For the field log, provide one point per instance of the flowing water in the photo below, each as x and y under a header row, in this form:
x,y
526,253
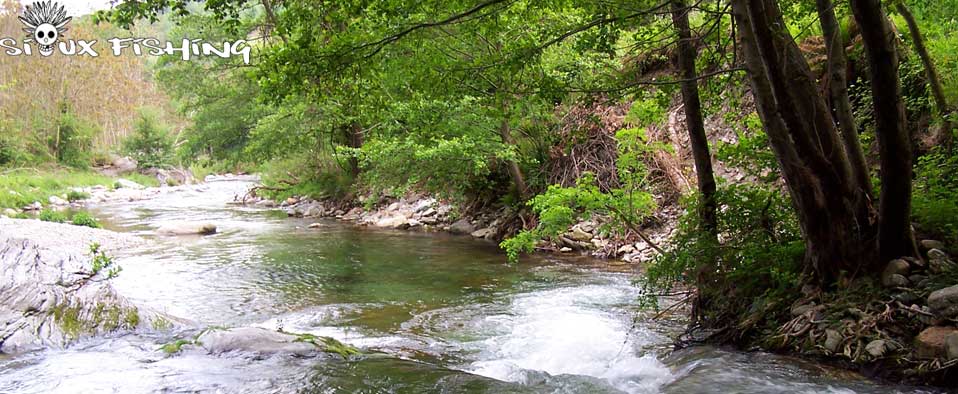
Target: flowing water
x,y
443,313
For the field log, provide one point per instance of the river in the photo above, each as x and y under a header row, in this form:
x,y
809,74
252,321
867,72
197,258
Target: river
x,y
444,313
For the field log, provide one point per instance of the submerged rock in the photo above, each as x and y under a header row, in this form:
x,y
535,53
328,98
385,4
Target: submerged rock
x,y
253,339
187,229
462,226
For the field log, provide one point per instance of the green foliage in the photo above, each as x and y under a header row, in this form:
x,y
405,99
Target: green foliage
x,y
72,140
85,219
751,153
102,261
760,252
49,215
935,195
22,187
150,144
74,195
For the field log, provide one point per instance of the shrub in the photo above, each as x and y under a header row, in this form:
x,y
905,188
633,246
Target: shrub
x,y
935,206
150,144
74,195
85,219
49,215
72,140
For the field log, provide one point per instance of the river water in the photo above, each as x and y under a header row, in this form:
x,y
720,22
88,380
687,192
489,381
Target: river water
x,y
444,313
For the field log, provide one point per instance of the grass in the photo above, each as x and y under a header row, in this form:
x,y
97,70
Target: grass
x,y
22,187
145,180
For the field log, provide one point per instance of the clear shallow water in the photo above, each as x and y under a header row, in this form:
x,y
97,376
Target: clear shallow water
x,y
445,312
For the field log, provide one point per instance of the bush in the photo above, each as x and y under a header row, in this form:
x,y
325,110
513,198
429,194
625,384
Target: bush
x,y
150,144
74,195
85,219
49,215
935,197
72,140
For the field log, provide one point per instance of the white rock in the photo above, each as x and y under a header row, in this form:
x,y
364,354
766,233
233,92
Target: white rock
x,y
187,229
128,184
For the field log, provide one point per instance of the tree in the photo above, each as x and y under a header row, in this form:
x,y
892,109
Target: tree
x,y
894,226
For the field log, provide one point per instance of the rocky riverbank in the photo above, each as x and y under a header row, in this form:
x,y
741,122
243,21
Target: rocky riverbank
x,y
425,213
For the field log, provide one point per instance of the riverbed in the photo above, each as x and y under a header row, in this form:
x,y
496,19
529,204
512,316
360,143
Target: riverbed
x,y
441,313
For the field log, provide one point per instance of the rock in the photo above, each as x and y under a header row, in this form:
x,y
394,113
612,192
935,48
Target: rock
x,y
291,201
906,297
801,309
462,226
625,249
123,165
917,278
876,348
894,280
313,210
10,212
487,232
414,223
430,220
833,340
579,235
929,244
46,297
427,213
36,206
944,302
587,226
393,207
254,339
128,184
930,343
939,262
951,346
187,229
565,249
315,225
55,200
894,272
392,221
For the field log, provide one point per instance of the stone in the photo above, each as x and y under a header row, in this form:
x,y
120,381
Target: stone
x,y
579,235
587,226
291,201
906,297
55,200
313,210
392,221
565,249
462,226
428,212
951,346
895,267
944,302
894,280
939,262
128,184
929,244
833,340
315,225
429,220
801,309
485,233
36,206
876,348
187,229
930,343
413,223
10,212
625,249
255,340
393,207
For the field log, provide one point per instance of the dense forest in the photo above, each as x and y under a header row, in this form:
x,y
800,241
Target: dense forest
x,y
798,158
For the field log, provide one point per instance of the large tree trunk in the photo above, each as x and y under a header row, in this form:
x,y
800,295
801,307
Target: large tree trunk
x,y
806,143
837,83
354,139
894,226
693,116
937,91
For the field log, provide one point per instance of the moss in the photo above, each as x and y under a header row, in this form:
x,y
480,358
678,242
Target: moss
x,y
329,345
131,318
68,319
175,346
161,324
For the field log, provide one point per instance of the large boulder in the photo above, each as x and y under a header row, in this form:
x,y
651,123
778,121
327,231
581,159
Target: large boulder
x,y
123,165
123,183
944,302
462,226
932,342
187,229
253,339
48,294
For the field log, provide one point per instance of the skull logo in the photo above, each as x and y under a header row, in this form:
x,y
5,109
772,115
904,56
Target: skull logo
x,y
45,21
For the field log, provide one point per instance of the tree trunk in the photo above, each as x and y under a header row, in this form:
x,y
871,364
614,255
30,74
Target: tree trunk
x,y
937,91
354,139
693,116
515,172
894,226
837,83
806,143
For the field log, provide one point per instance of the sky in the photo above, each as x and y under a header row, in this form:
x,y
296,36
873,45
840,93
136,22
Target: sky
x,y
79,7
